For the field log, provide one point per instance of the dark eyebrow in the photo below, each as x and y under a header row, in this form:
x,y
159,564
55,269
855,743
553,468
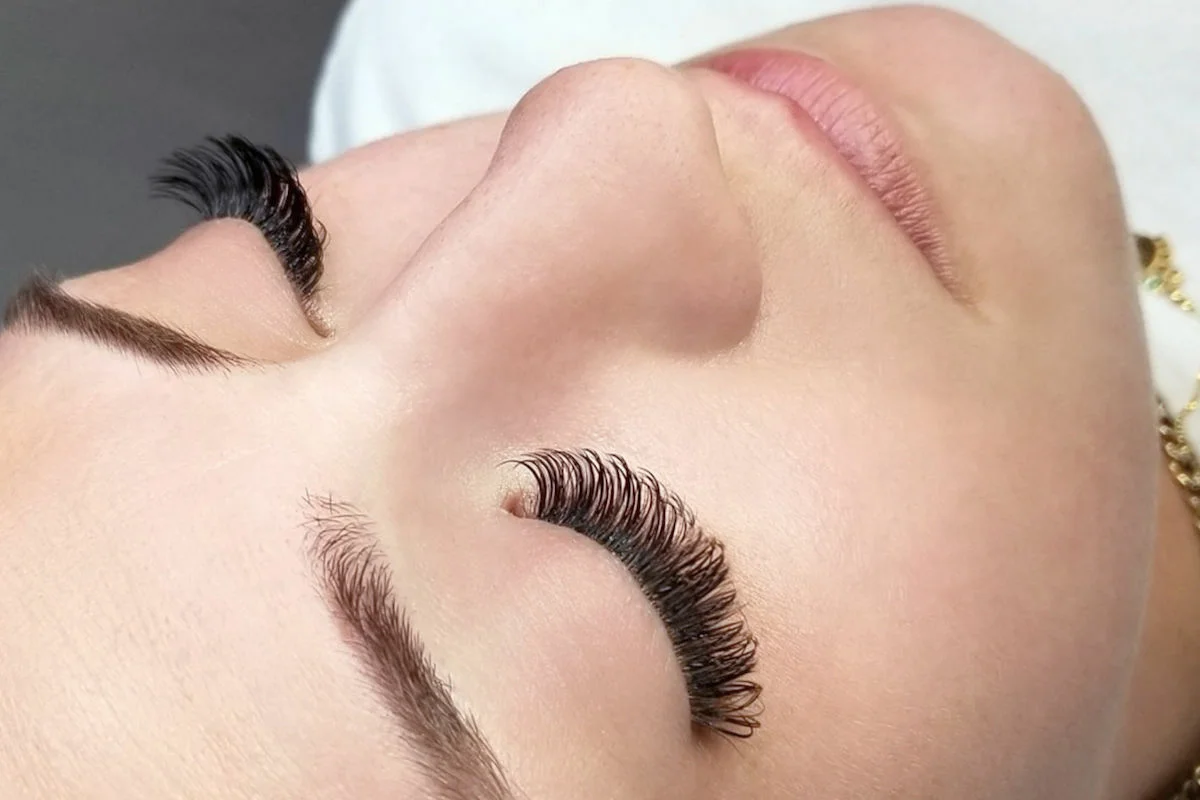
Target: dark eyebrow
x,y
41,305
354,577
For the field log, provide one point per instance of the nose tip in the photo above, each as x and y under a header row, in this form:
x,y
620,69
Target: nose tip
x,y
626,151
648,114
606,210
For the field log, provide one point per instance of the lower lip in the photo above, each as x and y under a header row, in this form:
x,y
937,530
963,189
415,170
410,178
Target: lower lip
x,y
818,94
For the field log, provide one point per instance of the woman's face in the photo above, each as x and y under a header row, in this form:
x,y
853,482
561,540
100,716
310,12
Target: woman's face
x,y
909,397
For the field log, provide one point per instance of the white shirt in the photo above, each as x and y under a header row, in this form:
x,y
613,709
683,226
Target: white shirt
x,y
395,65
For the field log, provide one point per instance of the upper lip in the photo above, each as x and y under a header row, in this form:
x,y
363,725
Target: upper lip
x,y
858,130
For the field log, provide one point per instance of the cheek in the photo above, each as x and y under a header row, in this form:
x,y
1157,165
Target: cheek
x,y
957,611
942,582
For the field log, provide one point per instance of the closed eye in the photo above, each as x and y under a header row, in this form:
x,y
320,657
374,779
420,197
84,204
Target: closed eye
x,y
232,178
681,570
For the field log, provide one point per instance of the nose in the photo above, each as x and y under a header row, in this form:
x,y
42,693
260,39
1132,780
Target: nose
x,y
605,219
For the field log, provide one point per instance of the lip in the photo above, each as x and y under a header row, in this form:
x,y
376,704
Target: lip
x,y
845,117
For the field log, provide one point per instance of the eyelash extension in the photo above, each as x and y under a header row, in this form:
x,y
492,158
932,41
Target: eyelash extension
x,y
232,178
682,571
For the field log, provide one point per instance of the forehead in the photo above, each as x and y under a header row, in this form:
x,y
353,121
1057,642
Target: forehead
x,y
163,628
161,654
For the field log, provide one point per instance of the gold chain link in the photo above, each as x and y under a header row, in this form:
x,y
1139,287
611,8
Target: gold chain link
x,y
1159,274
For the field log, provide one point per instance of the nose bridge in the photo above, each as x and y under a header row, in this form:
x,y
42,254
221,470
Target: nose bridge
x,y
605,214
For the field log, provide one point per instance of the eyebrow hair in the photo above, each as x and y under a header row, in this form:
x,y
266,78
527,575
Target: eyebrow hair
x,y
41,305
356,581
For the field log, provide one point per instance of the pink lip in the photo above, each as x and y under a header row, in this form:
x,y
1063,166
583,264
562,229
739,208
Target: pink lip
x,y
818,93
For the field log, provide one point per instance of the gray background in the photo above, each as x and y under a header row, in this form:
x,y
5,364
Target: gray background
x,y
94,92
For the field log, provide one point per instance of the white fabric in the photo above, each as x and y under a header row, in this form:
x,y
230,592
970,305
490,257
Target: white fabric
x,y
396,65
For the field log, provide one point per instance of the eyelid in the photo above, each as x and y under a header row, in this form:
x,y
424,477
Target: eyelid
x,y
43,305
233,178
683,572
355,580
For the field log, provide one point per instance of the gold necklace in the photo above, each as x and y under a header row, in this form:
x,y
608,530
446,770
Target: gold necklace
x,y
1159,274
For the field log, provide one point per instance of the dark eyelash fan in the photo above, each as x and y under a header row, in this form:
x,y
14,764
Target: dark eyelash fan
x,y
682,571
232,178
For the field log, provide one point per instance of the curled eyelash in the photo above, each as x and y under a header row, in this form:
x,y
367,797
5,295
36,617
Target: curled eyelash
x,y
233,178
682,571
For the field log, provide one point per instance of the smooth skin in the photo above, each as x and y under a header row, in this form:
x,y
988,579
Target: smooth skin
x,y
939,510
